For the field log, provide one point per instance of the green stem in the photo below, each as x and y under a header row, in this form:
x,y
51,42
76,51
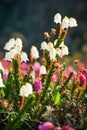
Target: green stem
x,y
17,121
47,83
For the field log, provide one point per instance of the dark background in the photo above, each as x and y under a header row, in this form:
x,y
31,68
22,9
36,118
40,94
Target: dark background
x,y
29,19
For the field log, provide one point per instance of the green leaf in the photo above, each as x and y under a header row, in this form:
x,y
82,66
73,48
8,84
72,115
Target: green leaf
x,y
56,96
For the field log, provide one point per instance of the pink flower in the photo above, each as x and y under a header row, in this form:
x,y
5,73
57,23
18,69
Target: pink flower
x,y
36,66
68,71
37,85
66,127
5,74
47,126
54,78
84,72
6,64
82,79
25,66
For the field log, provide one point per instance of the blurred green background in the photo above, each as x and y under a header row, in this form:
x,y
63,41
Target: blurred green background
x,y
29,19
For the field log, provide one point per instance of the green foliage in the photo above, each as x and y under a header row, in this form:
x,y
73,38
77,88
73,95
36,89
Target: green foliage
x,y
56,97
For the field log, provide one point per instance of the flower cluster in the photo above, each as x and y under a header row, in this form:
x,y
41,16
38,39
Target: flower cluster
x,y
44,92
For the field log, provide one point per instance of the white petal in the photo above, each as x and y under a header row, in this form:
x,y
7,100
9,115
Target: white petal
x,y
18,44
10,44
57,18
42,69
26,89
72,22
49,46
34,52
65,50
62,44
44,45
10,55
52,54
65,22
24,57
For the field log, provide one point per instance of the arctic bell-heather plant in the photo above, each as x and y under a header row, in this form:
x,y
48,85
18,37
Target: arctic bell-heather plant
x,y
43,92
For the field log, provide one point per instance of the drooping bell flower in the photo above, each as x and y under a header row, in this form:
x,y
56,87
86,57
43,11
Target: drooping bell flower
x,y
47,126
82,79
54,78
43,45
34,52
24,57
25,90
57,18
72,22
37,85
84,72
42,69
36,67
52,54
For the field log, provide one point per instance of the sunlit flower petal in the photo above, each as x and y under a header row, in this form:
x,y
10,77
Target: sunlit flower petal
x,y
42,69
57,18
72,22
49,46
44,45
10,44
26,89
62,51
52,54
18,44
34,52
10,55
65,22
24,57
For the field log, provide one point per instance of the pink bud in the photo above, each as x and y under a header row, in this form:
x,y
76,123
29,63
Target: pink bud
x,y
25,66
37,85
54,78
5,74
82,79
36,66
66,127
47,126
84,72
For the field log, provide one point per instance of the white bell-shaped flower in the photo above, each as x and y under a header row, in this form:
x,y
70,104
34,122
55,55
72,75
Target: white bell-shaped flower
x,y
72,22
34,52
10,55
57,18
62,51
10,44
65,22
52,54
24,57
42,69
26,89
65,50
49,46
18,44
44,45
